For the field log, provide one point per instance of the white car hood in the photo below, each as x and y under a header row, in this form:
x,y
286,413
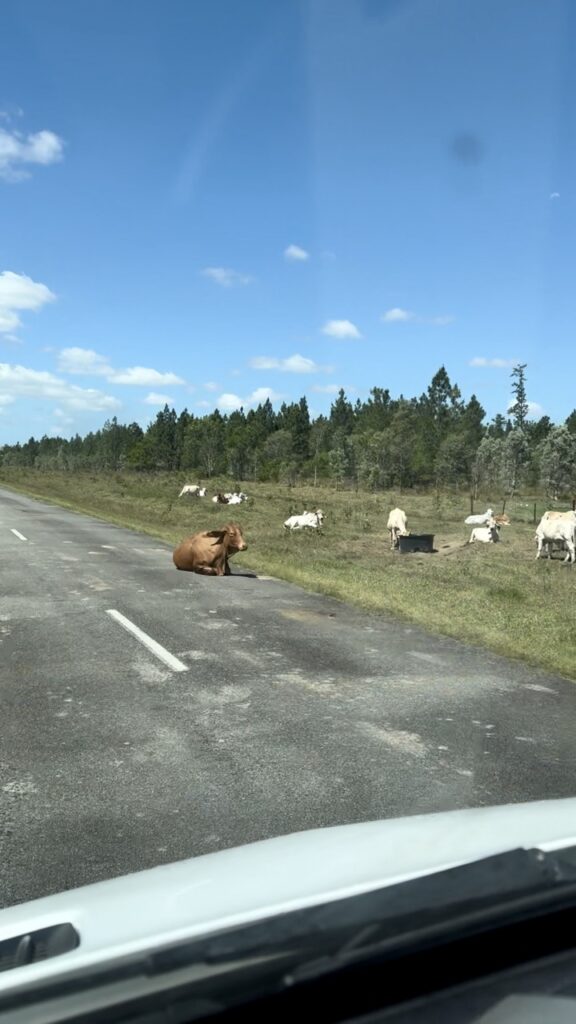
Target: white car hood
x,y
195,897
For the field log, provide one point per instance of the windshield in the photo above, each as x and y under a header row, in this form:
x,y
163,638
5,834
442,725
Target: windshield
x,y
312,260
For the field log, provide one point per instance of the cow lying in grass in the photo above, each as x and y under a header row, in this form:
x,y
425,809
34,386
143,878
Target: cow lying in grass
x,y
308,520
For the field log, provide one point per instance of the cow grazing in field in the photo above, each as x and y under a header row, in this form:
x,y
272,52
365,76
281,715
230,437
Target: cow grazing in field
x,y
397,525
194,490
485,534
502,519
308,520
479,520
208,553
560,528
236,499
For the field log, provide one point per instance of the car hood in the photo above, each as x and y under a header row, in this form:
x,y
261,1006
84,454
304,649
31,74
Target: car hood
x,y
196,897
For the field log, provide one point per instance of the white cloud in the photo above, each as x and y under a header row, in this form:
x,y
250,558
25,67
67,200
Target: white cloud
x,y
87,362
210,385
228,402
397,315
22,382
203,404
155,399
294,254
19,292
226,277
143,376
83,361
341,329
6,399
554,195
293,364
534,408
499,363
261,395
18,150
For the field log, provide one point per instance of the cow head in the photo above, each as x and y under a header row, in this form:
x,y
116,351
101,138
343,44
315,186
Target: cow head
x,y
320,516
230,536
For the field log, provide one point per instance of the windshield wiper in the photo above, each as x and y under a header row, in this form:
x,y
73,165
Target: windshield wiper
x,y
424,933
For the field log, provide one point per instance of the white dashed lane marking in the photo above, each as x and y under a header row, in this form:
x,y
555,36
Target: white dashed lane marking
x,y
152,645
18,534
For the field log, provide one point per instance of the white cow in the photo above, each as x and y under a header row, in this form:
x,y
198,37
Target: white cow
x,y
234,499
569,516
485,534
557,527
194,490
308,520
480,520
397,525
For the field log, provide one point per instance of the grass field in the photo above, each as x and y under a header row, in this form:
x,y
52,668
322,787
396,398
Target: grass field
x,y
493,595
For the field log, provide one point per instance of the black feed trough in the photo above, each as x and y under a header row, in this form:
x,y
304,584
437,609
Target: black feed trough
x,y
417,542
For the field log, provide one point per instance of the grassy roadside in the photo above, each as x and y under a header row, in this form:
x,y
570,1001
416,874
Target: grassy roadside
x,y
494,595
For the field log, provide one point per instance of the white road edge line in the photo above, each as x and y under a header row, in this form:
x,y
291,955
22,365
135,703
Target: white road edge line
x,y
18,534
169,659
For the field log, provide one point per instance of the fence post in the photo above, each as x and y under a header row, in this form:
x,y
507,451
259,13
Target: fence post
x,y
534,519
471,503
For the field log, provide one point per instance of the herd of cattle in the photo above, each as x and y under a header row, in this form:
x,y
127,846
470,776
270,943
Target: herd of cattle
x,y
554,529
208,553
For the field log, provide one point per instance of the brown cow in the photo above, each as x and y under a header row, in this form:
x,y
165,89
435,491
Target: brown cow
x,y
208,553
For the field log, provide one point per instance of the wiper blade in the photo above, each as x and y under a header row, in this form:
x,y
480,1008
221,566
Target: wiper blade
x,y
411,923
466,900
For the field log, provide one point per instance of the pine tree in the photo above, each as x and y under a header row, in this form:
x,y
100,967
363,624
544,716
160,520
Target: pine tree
x,y
519,408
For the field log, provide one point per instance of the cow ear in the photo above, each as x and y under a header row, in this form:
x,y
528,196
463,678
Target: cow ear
x,y
216,533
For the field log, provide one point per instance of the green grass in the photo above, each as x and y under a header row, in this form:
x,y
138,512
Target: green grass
x,y
494,595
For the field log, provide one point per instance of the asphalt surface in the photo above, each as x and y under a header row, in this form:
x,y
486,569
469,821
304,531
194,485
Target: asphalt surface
x,y
283,710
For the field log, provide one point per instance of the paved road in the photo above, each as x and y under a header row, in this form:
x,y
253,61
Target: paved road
x,y
278,710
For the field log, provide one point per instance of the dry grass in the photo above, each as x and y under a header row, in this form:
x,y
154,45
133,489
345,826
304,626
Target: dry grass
x,y
494,595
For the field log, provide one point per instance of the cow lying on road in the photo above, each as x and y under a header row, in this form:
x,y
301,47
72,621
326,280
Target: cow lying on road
x,y
308,520
208,553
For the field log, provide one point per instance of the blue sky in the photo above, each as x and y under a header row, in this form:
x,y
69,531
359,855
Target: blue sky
x,y
211,202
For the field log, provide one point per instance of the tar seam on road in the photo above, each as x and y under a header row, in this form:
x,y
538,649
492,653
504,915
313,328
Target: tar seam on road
x,y
174,663
18,534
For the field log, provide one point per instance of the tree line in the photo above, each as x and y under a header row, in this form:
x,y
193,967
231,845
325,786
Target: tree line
x,y
436,440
